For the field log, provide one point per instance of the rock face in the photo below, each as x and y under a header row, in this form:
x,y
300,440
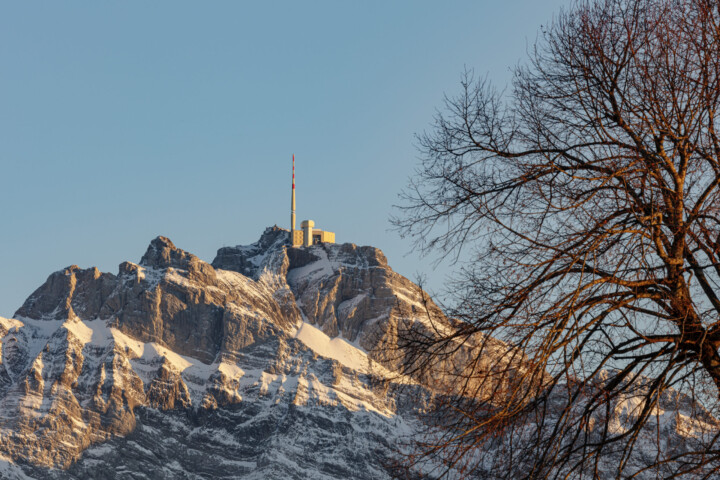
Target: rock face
x,y
253,366
271,362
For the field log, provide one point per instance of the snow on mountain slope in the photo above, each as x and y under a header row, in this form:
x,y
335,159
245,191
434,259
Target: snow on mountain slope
x,y
169,350
273,362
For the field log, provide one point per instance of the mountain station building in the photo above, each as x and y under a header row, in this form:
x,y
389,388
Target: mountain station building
x,y
311,236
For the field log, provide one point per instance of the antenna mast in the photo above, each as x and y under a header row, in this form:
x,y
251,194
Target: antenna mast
x,y
292,205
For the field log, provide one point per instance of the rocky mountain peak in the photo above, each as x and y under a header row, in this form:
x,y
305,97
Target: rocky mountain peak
x,y
67,292
273,236
249,259
162,253
242,337
271,362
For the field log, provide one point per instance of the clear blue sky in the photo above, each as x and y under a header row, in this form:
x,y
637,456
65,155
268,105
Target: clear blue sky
x,y
121,121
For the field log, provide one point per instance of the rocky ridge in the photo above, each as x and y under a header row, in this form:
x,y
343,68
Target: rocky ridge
x,y
270,362
200,368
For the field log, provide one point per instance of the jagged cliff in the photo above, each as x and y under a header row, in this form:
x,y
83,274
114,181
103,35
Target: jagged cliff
x,y
256,365
271,362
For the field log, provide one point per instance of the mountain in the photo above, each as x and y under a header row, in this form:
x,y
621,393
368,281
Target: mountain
x,y
270,362
254,366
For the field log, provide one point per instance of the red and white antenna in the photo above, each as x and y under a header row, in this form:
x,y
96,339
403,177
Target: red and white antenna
x,y
292,205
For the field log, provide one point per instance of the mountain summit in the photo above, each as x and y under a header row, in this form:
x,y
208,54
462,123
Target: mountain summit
x,y
270,362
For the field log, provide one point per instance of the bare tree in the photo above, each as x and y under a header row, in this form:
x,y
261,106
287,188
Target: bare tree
x,y
589,196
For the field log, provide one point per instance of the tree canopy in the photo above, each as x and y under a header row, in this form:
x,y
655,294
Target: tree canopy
x,y
588,195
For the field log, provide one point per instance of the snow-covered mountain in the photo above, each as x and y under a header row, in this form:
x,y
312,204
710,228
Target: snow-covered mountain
x,y
271,362
256,366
